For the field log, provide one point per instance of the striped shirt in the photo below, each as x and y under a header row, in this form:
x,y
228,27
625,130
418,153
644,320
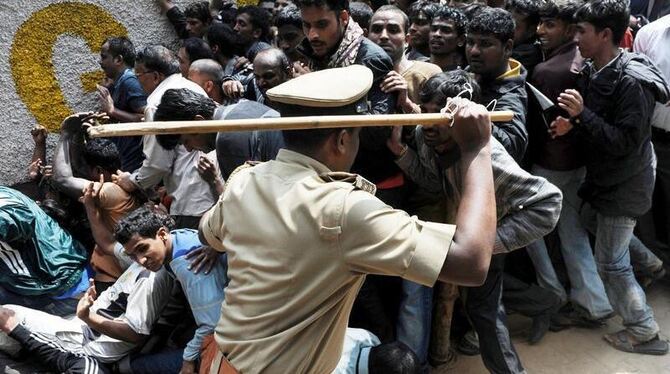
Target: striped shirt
x,y
527,206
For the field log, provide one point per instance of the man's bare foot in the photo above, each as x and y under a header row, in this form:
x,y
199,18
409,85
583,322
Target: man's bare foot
x,y
8,320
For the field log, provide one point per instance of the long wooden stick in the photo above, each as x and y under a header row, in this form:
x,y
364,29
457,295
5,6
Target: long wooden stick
x,y
286,123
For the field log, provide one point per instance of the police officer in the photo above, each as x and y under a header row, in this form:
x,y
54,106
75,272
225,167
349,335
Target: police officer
x,y
301,233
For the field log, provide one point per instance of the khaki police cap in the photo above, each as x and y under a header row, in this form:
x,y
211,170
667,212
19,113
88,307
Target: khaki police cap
x,y
328,88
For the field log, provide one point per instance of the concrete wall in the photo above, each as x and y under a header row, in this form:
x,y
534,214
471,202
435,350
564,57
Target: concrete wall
x,y
48,63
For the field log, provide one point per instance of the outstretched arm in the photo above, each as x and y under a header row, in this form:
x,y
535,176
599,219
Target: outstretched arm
x,y
68,156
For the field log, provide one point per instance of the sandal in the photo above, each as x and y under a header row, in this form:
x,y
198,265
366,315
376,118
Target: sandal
x,y
626,342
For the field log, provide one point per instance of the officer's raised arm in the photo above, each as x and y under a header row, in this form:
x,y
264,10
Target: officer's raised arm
x,y
468,259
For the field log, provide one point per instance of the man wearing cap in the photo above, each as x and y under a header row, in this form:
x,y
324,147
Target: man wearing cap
x,y
333,39
301,233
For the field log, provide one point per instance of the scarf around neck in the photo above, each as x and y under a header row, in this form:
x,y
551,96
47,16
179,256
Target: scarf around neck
x,y
346,52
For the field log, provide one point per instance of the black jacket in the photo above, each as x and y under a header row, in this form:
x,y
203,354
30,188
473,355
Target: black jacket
x,y
374,161
618,103
529,55
510,94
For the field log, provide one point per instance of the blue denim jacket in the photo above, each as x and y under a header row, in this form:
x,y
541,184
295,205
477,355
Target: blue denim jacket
x,y
205,292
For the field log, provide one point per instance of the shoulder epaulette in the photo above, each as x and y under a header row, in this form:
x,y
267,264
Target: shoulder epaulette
x,y
246,165
355,180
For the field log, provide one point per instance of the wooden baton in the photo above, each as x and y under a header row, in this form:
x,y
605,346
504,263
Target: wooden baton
x,y
286,123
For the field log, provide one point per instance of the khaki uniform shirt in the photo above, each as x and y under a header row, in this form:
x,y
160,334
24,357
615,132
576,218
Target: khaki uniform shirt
x,y
298,251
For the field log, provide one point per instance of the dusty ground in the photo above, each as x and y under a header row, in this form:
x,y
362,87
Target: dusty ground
x,y
577,351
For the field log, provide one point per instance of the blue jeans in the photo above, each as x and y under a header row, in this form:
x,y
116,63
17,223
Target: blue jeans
x,y
415,317
587,289
613,258
61,308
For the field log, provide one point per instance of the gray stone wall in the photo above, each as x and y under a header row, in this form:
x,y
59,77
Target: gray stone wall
x,y
49,63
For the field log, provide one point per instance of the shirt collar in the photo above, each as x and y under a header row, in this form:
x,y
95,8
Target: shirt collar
x,y
363,359
607,65
300,159
122,77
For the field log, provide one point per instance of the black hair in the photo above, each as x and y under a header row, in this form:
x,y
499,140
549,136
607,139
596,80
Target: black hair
x,y
529,8
58,212
425,7
181,104
71,217
335,5
470,10
159,59
361,13
289,16
493,21
259,18
225,38
563,10
449,84
227,14
197,49
454,15
102,153
199,11
396,10
311,140
308,140
121,46
606,14
393,358
144,221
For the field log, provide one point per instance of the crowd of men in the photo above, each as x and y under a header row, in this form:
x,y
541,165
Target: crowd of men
x,y
378,249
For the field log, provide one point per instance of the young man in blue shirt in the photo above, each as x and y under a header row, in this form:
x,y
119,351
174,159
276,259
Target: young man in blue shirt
x,y
147,238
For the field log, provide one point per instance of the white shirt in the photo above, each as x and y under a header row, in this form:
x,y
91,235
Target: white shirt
x,y
136,298
356,351
653,40
192,195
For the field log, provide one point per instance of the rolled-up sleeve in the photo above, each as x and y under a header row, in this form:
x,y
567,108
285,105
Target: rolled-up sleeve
x,y
378,239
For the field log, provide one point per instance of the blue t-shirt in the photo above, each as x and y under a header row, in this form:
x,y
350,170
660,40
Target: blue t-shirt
x,y
204,292
129,96
183,242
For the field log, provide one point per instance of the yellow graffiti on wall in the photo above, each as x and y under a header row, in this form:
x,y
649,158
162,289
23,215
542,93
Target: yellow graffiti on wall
x,y
32,53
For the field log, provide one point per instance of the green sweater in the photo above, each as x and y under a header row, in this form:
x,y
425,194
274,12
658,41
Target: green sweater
x,y
37,256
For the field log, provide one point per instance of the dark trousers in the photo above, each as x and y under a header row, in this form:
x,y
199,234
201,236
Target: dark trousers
x,y
653,228
48,350
485,310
